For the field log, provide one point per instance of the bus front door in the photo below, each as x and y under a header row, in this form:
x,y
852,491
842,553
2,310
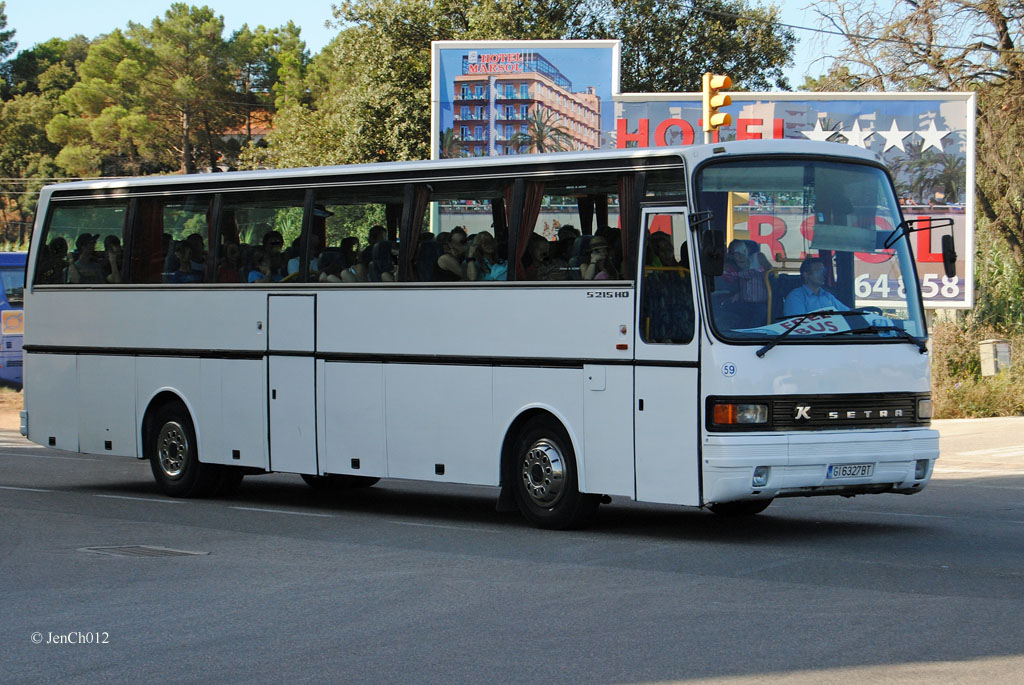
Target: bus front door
x,y
666,416
291,376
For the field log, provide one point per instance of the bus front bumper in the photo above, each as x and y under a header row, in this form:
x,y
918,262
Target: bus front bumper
x,y
769,465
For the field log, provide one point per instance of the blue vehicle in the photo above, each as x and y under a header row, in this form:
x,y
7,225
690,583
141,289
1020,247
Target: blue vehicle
x,y
12,317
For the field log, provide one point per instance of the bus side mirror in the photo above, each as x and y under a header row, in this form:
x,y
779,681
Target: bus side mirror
x,y
712,253
948,256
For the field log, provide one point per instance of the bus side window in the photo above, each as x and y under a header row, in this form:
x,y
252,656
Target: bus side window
x,y
75,236
346,226
562,219
260,226
666,293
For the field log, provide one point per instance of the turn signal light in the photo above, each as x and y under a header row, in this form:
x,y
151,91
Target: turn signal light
x,y
729,414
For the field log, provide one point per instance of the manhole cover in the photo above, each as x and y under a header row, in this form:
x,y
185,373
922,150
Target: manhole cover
x,y
141,551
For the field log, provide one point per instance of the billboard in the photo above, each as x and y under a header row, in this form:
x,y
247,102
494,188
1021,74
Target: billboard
x,y
504,97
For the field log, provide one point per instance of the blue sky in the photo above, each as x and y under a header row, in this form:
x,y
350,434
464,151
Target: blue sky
x,y
36,21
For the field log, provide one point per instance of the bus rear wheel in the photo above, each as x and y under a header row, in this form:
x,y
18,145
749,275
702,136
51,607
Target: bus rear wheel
x,y
746,507
544,478
174,455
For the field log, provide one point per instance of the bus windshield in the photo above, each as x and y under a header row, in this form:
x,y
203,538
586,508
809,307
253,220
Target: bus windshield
x,y
14,284
808,253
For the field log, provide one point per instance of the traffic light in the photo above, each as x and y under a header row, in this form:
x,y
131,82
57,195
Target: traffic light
x,y
714,99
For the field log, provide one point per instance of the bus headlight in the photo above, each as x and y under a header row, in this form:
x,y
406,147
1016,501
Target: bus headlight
x,y
761,476
924,408
727,414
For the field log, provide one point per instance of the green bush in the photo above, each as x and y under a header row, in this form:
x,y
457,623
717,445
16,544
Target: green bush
x,y
958,388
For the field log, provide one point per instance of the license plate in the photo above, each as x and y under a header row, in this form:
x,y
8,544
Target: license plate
x,y
849,470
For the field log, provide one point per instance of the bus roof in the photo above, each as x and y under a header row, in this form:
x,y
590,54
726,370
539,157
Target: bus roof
x,y
13,259
320,175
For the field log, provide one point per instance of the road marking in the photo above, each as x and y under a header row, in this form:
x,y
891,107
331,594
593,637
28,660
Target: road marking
x,y
1013,451
20,444
11,487
987,472
46,456
934,516
143,499
436,525
283,511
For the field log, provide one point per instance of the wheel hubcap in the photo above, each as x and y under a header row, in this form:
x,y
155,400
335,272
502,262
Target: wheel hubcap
x,y
172,449
543,473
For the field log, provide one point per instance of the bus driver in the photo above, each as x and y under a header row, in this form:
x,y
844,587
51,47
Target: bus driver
x,y
811,296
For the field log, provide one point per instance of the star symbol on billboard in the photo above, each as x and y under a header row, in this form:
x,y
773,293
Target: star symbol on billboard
x,y
855,136
932,137
894,137
818,133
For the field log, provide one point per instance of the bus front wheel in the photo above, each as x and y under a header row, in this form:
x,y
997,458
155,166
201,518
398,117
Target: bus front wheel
x,y
174,456
545,480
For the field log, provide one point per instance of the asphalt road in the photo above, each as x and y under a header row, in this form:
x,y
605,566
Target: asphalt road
x,y
416,583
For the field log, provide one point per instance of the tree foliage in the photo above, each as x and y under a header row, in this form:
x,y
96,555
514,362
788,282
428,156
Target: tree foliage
x,y
948,45
667,45
370,88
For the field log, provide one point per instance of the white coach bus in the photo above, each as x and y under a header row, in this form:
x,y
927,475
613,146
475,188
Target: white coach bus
x,y
660,350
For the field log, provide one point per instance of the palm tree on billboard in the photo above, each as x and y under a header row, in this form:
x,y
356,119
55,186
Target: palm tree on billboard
x,y
543,134
451,144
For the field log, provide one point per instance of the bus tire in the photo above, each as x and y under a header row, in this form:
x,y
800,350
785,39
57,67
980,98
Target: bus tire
x,y
746,507
175,455
544,478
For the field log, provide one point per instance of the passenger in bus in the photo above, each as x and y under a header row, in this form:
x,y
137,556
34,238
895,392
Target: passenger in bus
x,y
747,301
660,251
349,251
600,264
360,271
561,252
331,266
273,245
262,271
113,256
229,270
183,265
811,296
483,263
382,267
449,265
537,260
428,250
376,234
197,248
295,255
53,262
86,268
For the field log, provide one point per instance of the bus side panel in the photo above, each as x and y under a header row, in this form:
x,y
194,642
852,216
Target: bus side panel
x,y
353,419
608,434
234,410
439,418
51,401
106,407
556,391
179,376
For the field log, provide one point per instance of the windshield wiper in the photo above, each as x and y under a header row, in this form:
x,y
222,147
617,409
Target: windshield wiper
x,y
900,333
800,318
